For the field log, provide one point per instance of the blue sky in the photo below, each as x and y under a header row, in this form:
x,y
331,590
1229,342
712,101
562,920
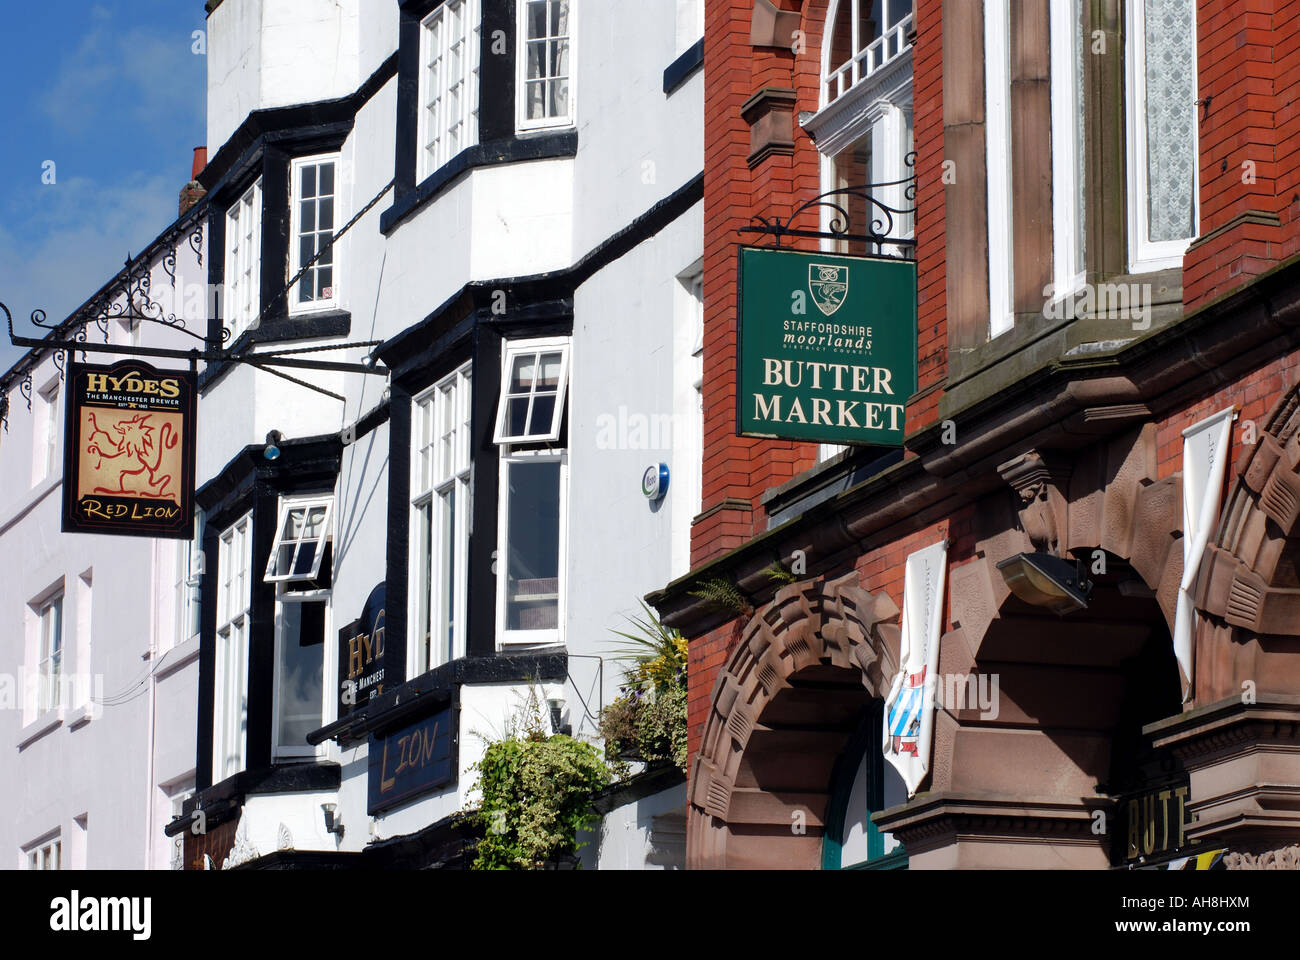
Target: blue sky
x,y
113,94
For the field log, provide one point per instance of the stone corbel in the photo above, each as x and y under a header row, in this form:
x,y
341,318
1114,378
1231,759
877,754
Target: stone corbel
x,y
770,115
772,27
1040,480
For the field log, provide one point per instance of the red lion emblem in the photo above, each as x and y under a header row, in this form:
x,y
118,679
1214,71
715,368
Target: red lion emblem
x,y
135,442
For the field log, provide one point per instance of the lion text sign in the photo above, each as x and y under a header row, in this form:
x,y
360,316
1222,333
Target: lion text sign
x,y
128,460
827,346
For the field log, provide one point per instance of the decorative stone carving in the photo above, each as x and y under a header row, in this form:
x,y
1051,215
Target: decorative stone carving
x,y
1283,858
1040,481
243,850
283,838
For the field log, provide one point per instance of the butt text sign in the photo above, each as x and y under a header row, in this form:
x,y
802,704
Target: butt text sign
x,y
128,465
827,346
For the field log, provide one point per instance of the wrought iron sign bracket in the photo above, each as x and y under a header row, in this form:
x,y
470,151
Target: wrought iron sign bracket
x,y
884,219
134,289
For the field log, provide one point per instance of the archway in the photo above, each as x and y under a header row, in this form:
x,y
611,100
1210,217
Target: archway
x,y
783,710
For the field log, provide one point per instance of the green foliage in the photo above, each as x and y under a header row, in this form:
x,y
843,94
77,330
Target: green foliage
x,y
536,797
536,793
659,653
722,594
647,721
780,574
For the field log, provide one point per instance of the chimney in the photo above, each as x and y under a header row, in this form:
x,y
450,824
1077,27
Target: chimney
x,y
193,191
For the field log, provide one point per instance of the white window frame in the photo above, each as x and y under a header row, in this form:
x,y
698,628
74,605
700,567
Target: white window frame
x,y
295,751
436,473
51,651
1068,264
997,125
1145,255
187,573
287,506
38,854
544,636
243,268
295,243
467,117
234,605
868,59
45,456
520,348
523,123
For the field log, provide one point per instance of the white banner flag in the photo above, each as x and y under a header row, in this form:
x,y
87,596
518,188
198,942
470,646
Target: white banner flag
x,y
1206,449
909,708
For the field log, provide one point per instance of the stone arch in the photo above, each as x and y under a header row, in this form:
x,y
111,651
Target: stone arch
x,y
834,629
1248,585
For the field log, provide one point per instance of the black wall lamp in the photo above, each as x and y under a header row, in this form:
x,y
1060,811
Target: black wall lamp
x,y
1045,580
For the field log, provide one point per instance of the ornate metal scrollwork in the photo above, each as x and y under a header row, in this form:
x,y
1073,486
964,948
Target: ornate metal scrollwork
x,y
196,241
60,359
25,388
169,266
4,412
884,218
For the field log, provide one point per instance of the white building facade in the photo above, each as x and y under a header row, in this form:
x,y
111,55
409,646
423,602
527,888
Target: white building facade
x,y
98,634
399,549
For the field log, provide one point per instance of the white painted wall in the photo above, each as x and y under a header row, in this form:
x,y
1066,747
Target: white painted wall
x,y
273,53
90,769
640,835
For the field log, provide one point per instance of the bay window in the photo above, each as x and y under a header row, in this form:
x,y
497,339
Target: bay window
x,y
313,217
449,74
533,492
1160,58
244,261
441,515
545,63
230,724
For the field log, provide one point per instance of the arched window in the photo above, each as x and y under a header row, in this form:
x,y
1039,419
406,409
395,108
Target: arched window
x,y
863,38
864,127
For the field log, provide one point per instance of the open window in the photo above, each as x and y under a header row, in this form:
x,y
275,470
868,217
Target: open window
x,y
535,376
533,500
302,539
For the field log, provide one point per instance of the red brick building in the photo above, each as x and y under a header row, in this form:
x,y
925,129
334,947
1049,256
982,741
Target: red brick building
x,y
1106,200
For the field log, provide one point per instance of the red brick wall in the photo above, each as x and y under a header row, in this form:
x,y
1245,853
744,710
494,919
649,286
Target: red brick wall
x,y
740,468
1248,55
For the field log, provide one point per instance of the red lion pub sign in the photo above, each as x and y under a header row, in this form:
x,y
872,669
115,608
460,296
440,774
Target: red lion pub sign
x,y
128,460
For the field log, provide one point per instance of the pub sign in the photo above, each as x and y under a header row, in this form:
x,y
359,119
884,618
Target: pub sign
x,y
410,761
361,655
128,456
827,346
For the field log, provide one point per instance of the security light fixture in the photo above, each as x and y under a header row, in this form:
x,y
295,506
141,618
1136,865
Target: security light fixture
x,y
1045,580
332,825
273,441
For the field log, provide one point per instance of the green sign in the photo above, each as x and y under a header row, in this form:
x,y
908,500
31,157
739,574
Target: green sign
x,y
827,346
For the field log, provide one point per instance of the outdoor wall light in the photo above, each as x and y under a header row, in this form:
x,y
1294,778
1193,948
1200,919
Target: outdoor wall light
x,y
331,825
1045,580
273,441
